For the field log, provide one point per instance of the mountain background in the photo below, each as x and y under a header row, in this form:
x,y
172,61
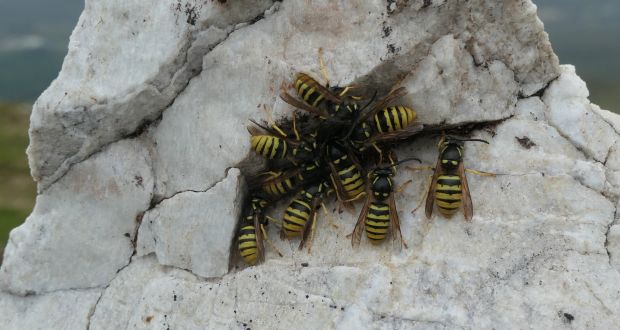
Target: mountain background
x,y
33,42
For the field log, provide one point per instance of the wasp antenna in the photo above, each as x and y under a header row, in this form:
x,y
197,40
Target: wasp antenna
x,y
323,68
407,160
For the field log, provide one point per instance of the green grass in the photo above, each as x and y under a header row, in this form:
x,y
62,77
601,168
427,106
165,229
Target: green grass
x,y
17,191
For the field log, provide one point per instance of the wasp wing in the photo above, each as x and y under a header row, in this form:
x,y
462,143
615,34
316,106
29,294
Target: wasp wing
x,y
356,234
310,224
341,193
258,234
468,208
311,82
430,195
394,94
286,97
395,221
396,135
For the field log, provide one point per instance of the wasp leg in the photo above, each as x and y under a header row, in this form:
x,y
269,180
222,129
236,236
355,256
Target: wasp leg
x,y
426,186
420,168
374,145
272,174
272,123
266,239
312,230
402,186
323,68
276,221
360,195
329,217
480,172
295,127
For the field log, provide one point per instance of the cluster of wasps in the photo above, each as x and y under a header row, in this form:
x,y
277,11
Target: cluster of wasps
x,y
343,147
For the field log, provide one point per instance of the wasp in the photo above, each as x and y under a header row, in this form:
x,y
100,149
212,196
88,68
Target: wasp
x,y
281,183
382,123
329,103
300,216
449,188
278,145
346,172
379,215
252,233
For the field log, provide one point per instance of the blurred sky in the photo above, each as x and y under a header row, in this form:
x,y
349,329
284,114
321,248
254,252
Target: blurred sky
x,y
34,36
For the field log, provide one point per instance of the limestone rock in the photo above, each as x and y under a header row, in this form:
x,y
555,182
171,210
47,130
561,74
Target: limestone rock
x,y
69,309
81,230
542,249
126,63
193,230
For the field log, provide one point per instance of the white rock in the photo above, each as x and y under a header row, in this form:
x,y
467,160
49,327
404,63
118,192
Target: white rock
x,y
193,230
57,310
473,97
81,230
570,111
126,63
120,300
542,248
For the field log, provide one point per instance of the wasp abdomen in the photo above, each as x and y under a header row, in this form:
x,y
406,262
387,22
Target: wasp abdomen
x,y
377,222
247,243
295,217
279,188
352,180
448,194
270,147
393,118
307,90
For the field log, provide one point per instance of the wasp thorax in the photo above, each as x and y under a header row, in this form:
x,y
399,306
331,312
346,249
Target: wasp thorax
x,y
361,133
451,156
334,152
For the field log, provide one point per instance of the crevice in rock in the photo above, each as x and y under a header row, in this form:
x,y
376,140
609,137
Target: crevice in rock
x,y
378,317
91,312
607,309
156,200
539,93
606,245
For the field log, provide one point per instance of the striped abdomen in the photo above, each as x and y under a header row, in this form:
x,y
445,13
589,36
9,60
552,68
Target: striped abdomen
x,y
448,194
350,177
307,89
377,222
280,186
248,248
393,118
296,216
270,147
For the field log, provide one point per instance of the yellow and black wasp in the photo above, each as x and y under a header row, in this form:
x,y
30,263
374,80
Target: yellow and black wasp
x,y
329,103
300,216
449,188
323,101
383,123
252,233
273,143
379,216
346,172
281,183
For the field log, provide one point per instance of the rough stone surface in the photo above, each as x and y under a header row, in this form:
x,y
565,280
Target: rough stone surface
x,y
81,230
127,61
543,248
190,230
69,309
